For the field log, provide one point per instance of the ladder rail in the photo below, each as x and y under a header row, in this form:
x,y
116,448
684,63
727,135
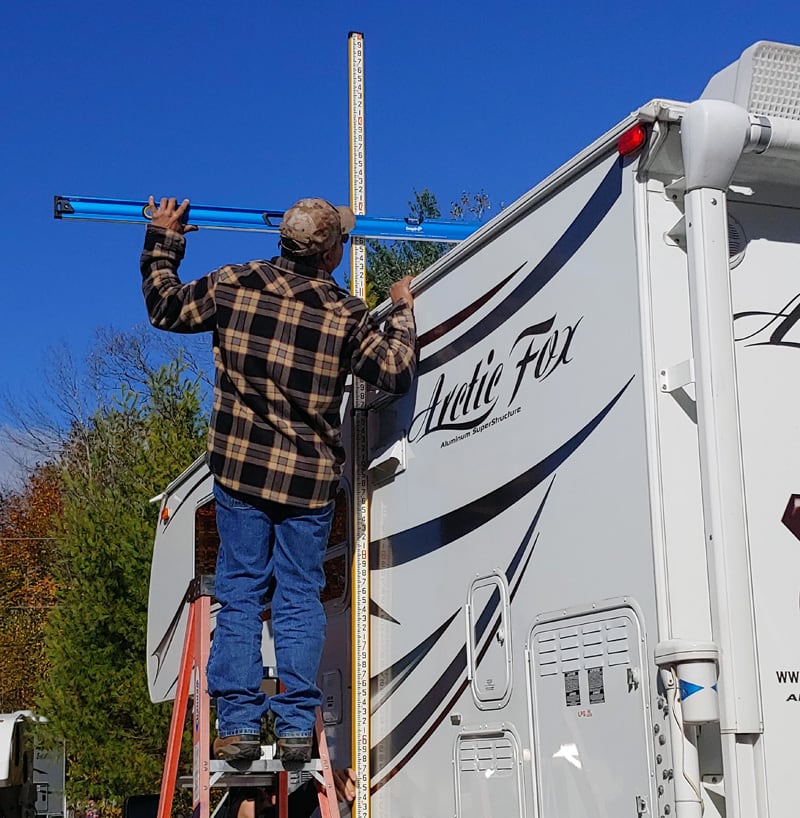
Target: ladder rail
x,y
178,720
201,729
328,802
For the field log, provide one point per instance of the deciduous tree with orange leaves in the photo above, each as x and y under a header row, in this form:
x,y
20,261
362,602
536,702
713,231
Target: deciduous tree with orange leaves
x,y
75,545
28,521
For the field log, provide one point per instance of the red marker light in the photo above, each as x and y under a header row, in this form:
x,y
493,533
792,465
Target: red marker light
x,y
632,140
165,514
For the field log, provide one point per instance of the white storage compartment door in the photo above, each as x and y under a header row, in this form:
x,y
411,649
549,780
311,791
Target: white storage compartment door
x,y
591,739
488,773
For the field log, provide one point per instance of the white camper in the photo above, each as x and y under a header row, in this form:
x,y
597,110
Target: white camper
x,y
31,775
584,519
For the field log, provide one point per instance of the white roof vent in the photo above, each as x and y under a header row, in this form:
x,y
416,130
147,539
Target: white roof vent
x,y
765,80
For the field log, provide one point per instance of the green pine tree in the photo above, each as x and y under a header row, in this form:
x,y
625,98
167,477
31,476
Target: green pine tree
x,y
389,262
95,695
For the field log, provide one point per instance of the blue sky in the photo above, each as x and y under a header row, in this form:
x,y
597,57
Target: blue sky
x,y
245,104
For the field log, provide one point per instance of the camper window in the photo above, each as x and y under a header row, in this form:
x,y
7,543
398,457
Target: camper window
x,y
206,539
337,559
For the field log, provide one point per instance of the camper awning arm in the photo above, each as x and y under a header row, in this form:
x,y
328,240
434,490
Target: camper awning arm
x,y
714,135
254,219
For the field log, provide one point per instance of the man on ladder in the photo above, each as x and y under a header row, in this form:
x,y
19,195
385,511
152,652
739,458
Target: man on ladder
x,y
285,337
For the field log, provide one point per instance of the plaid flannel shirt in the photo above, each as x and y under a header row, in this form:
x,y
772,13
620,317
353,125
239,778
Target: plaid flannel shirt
x,y
285,338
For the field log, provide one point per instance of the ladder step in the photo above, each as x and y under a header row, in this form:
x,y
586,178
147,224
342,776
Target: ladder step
x,y
239,779
266,765
260,773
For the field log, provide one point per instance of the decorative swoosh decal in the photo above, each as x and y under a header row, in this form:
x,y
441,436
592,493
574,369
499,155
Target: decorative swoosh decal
x,y
162,648
376,610
394,676
424,538
449,528
585,223
408,728
387,681
167,639
451,323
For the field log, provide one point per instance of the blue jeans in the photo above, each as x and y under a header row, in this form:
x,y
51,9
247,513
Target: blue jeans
x,y
259,541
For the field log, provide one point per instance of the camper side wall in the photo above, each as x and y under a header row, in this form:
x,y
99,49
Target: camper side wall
x,y
513,573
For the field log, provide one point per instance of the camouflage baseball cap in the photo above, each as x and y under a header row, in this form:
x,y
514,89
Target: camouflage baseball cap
x,y
313,226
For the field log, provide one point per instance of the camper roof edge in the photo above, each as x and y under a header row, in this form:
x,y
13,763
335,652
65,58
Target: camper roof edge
x,y
182,477
662,110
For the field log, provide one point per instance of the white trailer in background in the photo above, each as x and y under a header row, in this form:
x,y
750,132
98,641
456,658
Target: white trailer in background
x,y
31,774
585,517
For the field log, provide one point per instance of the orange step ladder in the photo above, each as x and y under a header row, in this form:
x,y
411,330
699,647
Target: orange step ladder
x,y
208,773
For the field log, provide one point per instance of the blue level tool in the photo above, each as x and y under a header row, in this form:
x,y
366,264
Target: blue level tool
x,y
267,221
